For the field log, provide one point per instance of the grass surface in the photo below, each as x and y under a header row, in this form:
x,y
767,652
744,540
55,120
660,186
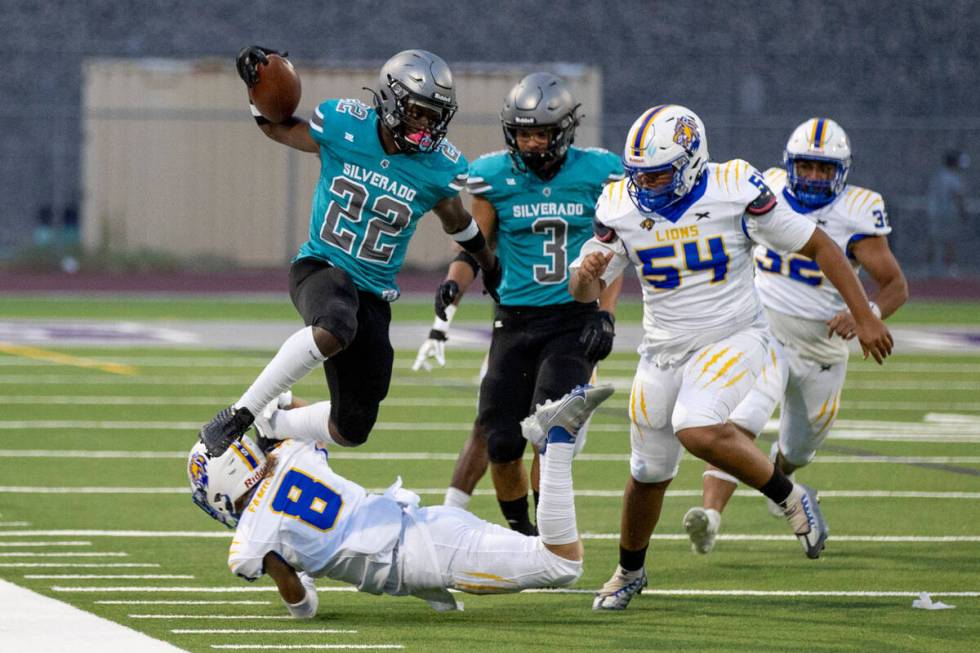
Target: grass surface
x,y
54,415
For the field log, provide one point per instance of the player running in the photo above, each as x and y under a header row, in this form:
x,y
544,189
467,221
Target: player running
x,y
535,202
381,169
297,520
688,226
807,315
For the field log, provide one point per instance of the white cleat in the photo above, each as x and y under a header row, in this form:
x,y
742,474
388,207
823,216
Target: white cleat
x,y
802,510
619,590
702,525
570,412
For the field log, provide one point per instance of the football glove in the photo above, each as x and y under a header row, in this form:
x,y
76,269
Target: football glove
x,y
597,336
445,295
435,345
491,279
248,60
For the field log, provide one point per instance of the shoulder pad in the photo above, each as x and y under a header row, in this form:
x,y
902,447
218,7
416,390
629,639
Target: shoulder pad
x,y
763,204
860,201
603,233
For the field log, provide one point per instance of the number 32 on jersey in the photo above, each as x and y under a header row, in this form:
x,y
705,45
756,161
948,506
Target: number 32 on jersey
x,y
664,266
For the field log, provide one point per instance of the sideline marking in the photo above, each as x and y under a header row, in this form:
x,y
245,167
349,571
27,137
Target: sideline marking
x,y
59,358
33,622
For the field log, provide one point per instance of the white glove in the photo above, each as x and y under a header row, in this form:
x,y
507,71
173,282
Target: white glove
x,y
435,345
305,609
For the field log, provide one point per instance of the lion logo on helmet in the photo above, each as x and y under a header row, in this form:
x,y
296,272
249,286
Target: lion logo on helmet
x,y
686,133
198,470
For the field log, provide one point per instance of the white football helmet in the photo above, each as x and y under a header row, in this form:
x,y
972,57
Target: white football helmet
x,y
818,139
665,137
217,483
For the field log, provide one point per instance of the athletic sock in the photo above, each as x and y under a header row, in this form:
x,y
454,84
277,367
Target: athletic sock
x,y
515,512
556,508
308,423
294,360
778,487
632,560
456,498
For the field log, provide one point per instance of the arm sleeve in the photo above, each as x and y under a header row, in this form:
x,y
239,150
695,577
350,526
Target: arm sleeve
x,y
779,230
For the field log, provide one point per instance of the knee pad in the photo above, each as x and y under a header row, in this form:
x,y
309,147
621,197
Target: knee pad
x,y
504,446
650,471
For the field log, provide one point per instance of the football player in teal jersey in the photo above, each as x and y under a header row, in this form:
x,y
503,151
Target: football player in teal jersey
x,y
381,169
535,201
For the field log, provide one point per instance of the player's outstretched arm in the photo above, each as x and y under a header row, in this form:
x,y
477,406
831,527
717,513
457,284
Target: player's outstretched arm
x,y
872,333
877,259
296,589
293,132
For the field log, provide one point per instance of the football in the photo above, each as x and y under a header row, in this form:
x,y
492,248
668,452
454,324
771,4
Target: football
x,y
277,93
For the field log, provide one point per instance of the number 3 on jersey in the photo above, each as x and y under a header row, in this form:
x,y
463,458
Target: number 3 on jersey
x,y
666,277
308,500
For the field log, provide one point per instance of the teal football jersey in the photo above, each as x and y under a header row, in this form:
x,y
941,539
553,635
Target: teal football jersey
x,y
367,203
541,225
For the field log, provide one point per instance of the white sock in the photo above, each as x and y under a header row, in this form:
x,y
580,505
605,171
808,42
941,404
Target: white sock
x,y
308,423
556,507
457,498
294,360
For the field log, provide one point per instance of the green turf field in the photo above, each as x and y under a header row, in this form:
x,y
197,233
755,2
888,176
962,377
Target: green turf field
x,y
81,496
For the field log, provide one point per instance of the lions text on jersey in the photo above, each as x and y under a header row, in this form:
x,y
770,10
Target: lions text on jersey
x,y
541,224
694,260
367,203
793,285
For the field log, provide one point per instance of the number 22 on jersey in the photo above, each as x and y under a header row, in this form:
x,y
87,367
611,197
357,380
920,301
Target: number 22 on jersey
x,y
304,498
663,266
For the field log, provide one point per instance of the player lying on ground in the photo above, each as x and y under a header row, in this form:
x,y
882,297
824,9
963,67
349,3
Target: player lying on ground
x,y
298,520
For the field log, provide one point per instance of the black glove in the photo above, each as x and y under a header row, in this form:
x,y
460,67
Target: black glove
x,y
597,336
248,60
445,295
491,279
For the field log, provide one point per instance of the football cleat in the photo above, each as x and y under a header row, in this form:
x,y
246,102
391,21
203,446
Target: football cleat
x,y
702,525
802,510
619,590
224,428
570,412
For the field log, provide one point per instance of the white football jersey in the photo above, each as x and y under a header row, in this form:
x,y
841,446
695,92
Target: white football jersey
x,y
318,522
793,284
694,262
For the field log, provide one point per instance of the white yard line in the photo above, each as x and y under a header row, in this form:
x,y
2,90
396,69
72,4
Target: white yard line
x,y
79,565
60,554
178,602
422,455
261,631
109,576
32,622
283,617
583,493
11,524
305,647
35,544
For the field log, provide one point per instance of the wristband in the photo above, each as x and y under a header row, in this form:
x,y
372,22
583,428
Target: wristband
x,y
259,118
443,325
875,309
471,238
305,609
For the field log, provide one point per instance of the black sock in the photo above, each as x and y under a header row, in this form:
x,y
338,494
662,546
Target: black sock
x,y
631,560
515,512
777,488
537,501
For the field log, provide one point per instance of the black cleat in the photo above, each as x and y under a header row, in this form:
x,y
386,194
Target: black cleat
x,y
224,428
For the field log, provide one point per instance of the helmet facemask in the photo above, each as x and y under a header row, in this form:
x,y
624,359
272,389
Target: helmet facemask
x,y
810,191
401,114
650,200
542,162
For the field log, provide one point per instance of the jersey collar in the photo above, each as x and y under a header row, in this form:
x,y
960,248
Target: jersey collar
x,y
675,211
